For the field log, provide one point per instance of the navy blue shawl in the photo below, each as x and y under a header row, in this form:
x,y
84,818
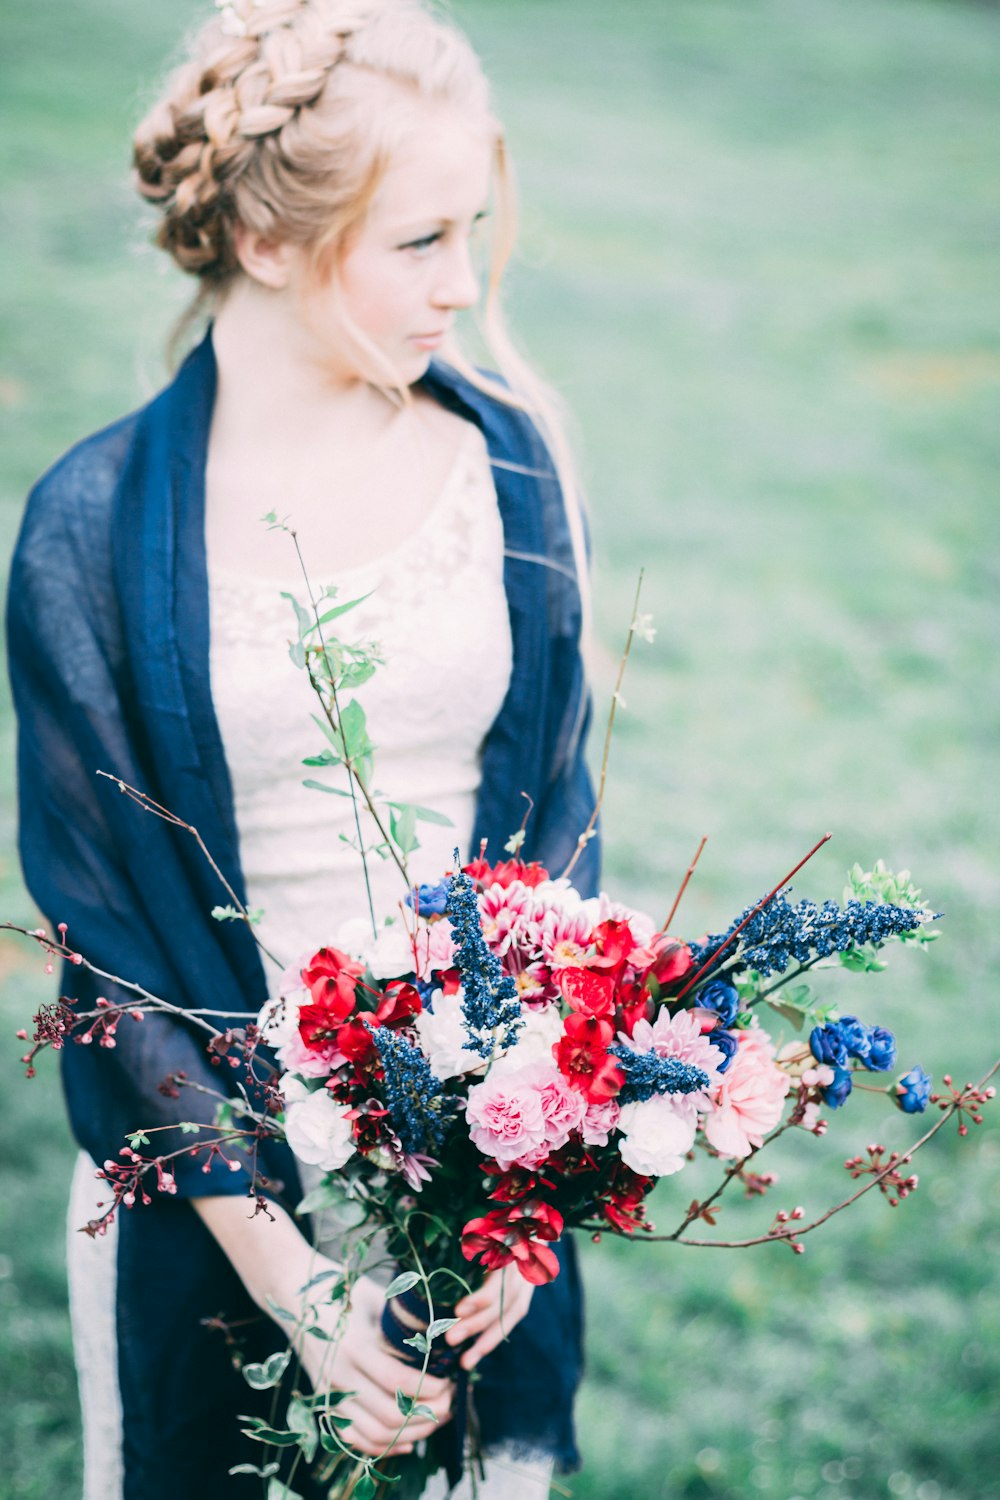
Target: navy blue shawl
x,y
108,638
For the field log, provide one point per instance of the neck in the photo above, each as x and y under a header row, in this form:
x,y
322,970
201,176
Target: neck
x,y
272,379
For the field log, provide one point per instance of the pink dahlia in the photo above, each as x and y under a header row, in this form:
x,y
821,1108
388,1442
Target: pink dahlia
x,y
748,1100
679,1036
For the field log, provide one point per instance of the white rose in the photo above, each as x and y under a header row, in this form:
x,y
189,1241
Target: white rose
x,y
658,1135
391,955
354,936
316,1126
279,1018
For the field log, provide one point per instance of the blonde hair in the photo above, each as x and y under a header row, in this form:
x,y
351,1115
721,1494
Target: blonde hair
x,y
270,125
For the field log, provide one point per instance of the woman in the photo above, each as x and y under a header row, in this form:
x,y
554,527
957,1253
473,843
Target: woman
x,y
321,168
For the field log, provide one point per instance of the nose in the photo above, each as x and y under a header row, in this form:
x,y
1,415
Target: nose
x,y
458,284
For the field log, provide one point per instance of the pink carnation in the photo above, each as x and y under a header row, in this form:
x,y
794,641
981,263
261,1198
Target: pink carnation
x,y
599,1121
563,1107
506,1120
309,1062
747,1103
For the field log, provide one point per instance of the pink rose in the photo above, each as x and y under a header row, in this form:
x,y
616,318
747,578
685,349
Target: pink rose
x,y
748,1100
599,1121
563,1107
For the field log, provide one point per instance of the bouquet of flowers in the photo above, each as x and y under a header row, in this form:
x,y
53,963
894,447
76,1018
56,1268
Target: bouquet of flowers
x,y
508,1060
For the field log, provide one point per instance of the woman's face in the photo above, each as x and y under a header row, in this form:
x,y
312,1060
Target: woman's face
x,y
408,268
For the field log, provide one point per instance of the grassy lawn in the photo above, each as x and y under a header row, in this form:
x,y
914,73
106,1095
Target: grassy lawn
x,y
758,258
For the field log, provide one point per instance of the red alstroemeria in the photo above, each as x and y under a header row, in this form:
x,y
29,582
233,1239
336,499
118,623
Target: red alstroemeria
x,y
355,1041
513,1234
582,1056
634,1004
591,994
614,944
623,1202
400,1002
671,960
330,977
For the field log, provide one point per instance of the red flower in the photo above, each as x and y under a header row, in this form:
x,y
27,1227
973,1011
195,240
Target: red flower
x,y
614,942
623,1203
506,872
633,1003
400,1002
582,1056
671,961
330,977
513,1234
593,994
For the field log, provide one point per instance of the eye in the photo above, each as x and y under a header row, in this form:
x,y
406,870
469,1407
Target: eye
x,y
423,244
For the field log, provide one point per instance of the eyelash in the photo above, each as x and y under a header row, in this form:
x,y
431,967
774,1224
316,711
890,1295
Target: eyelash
x,y
422,244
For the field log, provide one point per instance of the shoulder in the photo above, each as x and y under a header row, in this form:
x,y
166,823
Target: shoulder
x,y
62,558
77,490
511,434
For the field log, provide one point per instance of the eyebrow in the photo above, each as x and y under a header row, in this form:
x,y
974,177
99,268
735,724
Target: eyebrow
x,y
414,226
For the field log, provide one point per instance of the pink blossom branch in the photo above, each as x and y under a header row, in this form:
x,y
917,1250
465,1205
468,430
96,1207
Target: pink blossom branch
x,y
148,804
794,1231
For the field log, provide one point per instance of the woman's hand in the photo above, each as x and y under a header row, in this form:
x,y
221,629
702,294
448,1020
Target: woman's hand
x,y
274,1262
491,1313
361,1361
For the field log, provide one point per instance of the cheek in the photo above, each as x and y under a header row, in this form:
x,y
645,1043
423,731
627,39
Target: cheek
x,y
377,296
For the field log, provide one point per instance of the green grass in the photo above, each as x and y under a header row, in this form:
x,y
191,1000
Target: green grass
x,y
759,260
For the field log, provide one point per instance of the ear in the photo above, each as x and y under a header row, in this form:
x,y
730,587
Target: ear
x,y
265,260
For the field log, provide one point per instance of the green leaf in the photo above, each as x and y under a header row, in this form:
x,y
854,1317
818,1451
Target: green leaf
x,y
280,1312
264,1473
424,814
404,1402
137,1138
335,1276
325,759
403,826
788,1013
277,1490
321,786
341,609
326,1195
301,1420
420,1410
297,653
188,1127
263,1376
365,1488
418,1342
402,1283
272,1436
441,1325
302,616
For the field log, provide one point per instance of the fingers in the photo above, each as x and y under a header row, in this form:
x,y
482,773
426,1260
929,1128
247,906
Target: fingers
x,y
489,1315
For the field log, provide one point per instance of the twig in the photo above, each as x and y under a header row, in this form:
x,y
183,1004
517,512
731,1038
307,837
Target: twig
x,y
588,832
352,774
710,962
795,1231
148,804
684,885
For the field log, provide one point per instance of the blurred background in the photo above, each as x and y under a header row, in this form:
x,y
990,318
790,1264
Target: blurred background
x,y
759,261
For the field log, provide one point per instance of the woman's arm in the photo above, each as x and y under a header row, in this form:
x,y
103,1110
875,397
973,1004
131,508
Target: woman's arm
x,y
275,1261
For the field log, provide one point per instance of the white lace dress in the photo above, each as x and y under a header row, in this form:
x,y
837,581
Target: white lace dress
x,y
437,607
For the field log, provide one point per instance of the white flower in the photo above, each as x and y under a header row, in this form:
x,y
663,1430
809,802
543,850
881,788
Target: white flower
x,y
658,1135
391,955
316,1126
541,1030
279,1018
442,1036
354,936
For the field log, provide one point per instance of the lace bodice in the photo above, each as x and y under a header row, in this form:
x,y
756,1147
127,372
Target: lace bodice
x,y
437,608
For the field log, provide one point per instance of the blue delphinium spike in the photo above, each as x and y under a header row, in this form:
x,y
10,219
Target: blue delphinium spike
x,y
647,1074
490,1003
418,1106
781,934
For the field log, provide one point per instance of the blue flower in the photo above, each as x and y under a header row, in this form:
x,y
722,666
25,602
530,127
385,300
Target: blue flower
x,y
721,997
857,1037
882,1053
827,1045
429,900
913,1091
836,1092
646,1074
490,1004
727,1044
418,1106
